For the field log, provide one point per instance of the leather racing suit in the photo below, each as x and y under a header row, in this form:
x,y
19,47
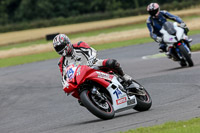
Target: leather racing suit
x,y
155,24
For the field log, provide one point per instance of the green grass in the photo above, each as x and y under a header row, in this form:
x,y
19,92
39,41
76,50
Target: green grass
x,y
72,36
190,17
123,28
93,33
190,126
195,47
193,32
122,43
51,55
109,30
18,60
20,45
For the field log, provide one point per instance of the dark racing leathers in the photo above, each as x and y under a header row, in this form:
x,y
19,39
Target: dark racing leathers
x,y
83,54
155,24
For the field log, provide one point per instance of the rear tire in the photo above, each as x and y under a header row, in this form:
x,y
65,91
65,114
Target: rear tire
x,y
183,63
89,103
185,54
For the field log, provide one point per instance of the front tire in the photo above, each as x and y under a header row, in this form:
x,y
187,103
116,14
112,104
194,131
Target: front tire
x,y
185,54
144,100
89,102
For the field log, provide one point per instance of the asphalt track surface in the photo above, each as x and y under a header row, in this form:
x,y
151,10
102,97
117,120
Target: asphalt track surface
x,y
32,99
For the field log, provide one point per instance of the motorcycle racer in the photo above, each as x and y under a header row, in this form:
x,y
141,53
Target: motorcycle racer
x,y
156,20
81,53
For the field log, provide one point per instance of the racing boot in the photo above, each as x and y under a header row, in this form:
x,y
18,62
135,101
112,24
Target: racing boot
x,y
168,55
162,48
189,40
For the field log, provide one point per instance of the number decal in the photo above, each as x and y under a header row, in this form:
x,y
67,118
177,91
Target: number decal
x,y
117,92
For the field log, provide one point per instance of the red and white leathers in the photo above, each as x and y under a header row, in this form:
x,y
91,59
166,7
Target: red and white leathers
x,y
83,54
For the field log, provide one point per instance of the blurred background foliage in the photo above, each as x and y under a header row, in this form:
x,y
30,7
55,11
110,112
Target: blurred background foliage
x,y
27,14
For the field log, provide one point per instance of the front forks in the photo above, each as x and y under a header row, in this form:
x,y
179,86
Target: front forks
x,y
178,51
98,95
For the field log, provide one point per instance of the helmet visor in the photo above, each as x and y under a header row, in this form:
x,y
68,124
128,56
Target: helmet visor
x,y
60,48
153,12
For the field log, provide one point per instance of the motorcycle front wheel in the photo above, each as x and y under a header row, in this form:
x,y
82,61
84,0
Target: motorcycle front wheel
x,y
102,109
185,54
144,100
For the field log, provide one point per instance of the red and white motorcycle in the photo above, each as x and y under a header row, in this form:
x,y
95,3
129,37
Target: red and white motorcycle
x,y
104,94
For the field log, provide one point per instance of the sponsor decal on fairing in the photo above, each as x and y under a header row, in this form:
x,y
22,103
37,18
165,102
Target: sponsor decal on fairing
x,y
103,75
170,39
70,73
121,100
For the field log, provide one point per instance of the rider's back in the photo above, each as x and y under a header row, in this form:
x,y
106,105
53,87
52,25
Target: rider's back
x,y
156,23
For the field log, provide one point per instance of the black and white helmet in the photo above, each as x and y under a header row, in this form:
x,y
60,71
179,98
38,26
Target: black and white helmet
x,y
63,45
153,9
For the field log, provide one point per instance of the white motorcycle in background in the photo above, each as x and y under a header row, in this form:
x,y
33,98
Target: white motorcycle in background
x,y
177,43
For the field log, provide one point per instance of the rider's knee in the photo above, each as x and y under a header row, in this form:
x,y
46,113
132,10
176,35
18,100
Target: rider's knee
x,y
112,63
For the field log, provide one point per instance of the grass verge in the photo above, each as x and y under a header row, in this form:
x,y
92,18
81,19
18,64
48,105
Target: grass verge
x,y
87,34
122,43
95,33
51,55
190,126
25,44
195,47
27,59
77,35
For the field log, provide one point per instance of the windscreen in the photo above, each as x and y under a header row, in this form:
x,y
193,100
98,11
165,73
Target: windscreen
x,y
169,27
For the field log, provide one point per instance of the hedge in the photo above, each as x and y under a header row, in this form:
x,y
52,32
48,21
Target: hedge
x,y
91,17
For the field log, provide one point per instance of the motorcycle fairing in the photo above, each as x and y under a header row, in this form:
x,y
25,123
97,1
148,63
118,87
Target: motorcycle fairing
x,y
120,99
173,41
70,73
78,75
170,38
84,72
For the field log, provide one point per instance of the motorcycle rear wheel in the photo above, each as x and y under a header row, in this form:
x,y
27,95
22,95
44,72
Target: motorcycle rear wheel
x,y
90,104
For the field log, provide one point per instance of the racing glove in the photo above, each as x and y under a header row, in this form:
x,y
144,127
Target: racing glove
x,y
158,39
183,25
92,60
